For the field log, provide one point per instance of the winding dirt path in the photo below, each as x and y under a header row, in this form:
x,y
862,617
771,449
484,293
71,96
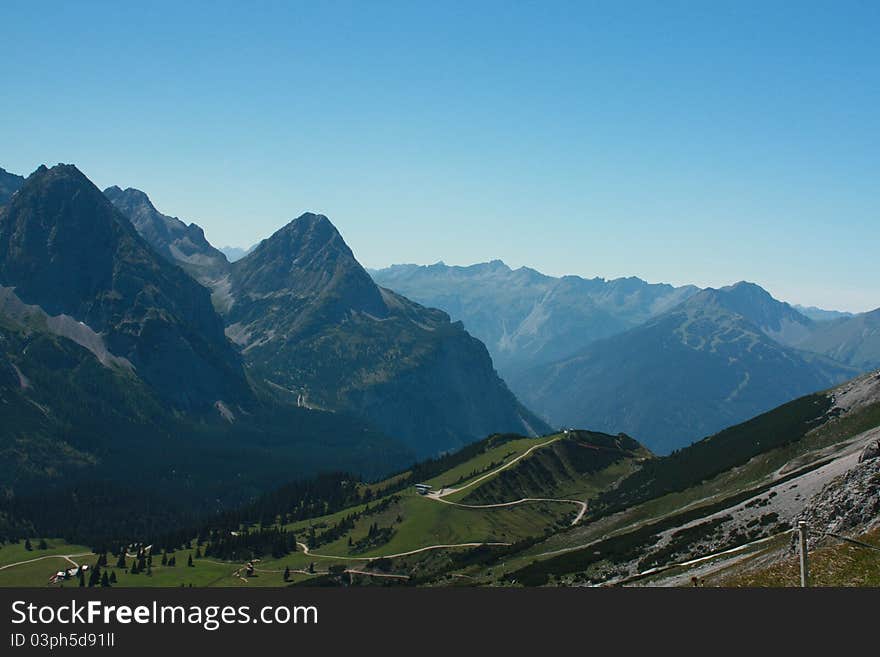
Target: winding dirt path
x,y
577,519
372,574
437,496
306,550
68,557
698,560
450,491
445,492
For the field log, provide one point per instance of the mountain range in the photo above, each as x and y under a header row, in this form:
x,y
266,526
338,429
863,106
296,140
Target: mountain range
x,y
310,320
65,249
311,324
146,381
685,374
820,314
297,333
117,379
854,340
526,318
666,365
128,341
177,242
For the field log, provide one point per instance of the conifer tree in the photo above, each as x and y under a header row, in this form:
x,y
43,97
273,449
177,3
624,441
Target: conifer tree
x,y
95,575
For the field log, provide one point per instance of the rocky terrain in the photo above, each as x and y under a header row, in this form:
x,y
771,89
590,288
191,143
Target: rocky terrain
x,y
669,365
850,501
311,322
122,401
65,248
312,325
9,184
840,497
835,489
177,242
685,374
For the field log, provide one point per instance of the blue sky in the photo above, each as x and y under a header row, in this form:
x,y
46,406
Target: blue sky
x,y
698,142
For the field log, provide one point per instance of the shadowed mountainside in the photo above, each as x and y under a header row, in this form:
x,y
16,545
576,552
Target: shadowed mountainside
x,y
680,376
310,320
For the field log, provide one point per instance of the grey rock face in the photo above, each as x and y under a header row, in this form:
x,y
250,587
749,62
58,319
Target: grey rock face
x,y
310,320
9,184
184,245
871,451
849,503
66,249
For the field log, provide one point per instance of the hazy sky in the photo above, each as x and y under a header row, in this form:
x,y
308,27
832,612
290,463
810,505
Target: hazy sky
x,y
699,142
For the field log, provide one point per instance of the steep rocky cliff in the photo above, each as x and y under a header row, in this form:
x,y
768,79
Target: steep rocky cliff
x,y
310,320
66,249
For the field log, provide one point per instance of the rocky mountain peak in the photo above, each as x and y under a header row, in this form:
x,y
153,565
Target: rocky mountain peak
x,y
309,318
57,221
130,194
309,234
775,318
65,248
308,258
178,242
9,184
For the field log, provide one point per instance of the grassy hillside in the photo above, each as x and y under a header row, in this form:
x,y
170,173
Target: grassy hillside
x,y
717,454
82,445
665,495
835,564
683,375
587,463
394,532
576,507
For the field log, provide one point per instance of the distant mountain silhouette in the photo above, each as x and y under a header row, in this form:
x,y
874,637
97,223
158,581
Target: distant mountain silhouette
x,y
527,318
682,375
854,340
234,253
820,314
